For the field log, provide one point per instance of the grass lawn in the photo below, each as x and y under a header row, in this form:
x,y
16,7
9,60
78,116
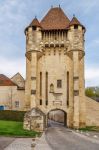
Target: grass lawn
x,y
13,128
90,128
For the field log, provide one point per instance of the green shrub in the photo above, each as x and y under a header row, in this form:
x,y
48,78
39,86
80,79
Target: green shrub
x,y
11,115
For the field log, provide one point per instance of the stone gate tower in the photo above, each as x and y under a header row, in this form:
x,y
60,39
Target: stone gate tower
x,y
55,66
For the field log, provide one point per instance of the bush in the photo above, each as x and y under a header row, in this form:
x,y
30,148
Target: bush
x,y
11,115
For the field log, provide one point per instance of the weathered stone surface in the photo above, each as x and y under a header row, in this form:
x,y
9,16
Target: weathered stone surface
x,y
50,55
10,95
18,80
92,112
34,120
48,52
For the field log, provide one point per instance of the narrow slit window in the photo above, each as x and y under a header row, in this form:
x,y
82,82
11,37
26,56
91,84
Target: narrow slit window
x,y
67,88
40,101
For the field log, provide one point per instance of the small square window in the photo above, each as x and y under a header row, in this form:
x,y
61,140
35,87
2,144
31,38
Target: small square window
x,y
59,83
16,104
75,26
33,92
34,27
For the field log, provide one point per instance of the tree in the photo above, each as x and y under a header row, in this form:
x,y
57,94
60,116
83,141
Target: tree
x,y
89,92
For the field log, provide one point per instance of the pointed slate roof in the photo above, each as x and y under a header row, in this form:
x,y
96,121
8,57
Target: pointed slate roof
x,y
35,22
75,21
5,81
55,19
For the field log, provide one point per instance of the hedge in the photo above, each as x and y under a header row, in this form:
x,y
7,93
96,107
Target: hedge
x,y
11,115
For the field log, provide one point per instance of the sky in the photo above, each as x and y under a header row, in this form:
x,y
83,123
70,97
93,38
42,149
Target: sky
x,y
15,15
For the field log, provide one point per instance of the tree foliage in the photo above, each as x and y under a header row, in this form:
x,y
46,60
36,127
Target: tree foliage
x,y
92,92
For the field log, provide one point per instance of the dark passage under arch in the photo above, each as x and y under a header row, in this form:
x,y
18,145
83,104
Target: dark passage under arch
x,y
56,117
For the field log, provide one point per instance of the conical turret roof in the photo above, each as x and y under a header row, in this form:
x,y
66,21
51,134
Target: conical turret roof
x,y
35,22
55,19
75,21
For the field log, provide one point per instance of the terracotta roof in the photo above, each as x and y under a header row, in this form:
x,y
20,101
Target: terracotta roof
x,y
55,19
35,22
5,81
75,21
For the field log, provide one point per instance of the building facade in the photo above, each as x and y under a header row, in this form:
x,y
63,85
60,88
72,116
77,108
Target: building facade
x,y
55,66
12,92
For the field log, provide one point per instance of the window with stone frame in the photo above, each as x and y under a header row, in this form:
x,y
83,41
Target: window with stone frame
x,y
75,26
17,104
59,83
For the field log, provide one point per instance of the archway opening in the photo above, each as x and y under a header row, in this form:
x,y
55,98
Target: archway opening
x,y
57,117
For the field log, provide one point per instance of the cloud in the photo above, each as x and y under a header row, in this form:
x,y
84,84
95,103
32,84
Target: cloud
x,y
10,67
92,76
15,15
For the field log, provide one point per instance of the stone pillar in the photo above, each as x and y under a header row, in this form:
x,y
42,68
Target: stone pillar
x,y
76,88
27,85
33,78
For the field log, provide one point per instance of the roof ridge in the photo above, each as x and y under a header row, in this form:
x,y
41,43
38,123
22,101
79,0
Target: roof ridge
x,y
16,74
55,19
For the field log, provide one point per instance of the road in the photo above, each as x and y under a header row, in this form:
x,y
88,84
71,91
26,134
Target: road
x,y
61,138
5,141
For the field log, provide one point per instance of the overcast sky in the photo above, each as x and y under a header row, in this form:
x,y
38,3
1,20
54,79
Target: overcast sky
x,y
15,15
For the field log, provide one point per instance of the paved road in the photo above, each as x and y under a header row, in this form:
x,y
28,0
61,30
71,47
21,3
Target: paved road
x,y
60,138
20,144
5,141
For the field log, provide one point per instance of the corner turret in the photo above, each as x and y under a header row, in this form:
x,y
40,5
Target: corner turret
x,y
33,51
76,37
76,53
33,37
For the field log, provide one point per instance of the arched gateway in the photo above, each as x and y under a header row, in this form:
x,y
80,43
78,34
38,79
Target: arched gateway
x,y
56,117
55,68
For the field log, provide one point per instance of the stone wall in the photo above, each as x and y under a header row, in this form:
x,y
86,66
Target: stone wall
x,y
56,57
18,80
92,112
34,120
9,95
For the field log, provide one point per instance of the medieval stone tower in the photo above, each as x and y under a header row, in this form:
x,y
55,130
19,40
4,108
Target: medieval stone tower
x,y
55,66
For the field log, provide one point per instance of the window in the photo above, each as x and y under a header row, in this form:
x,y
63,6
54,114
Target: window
x,y
59,83
40,101
34,27
16,104
67,88
33,92
46,102
40,83
75,26
46,90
